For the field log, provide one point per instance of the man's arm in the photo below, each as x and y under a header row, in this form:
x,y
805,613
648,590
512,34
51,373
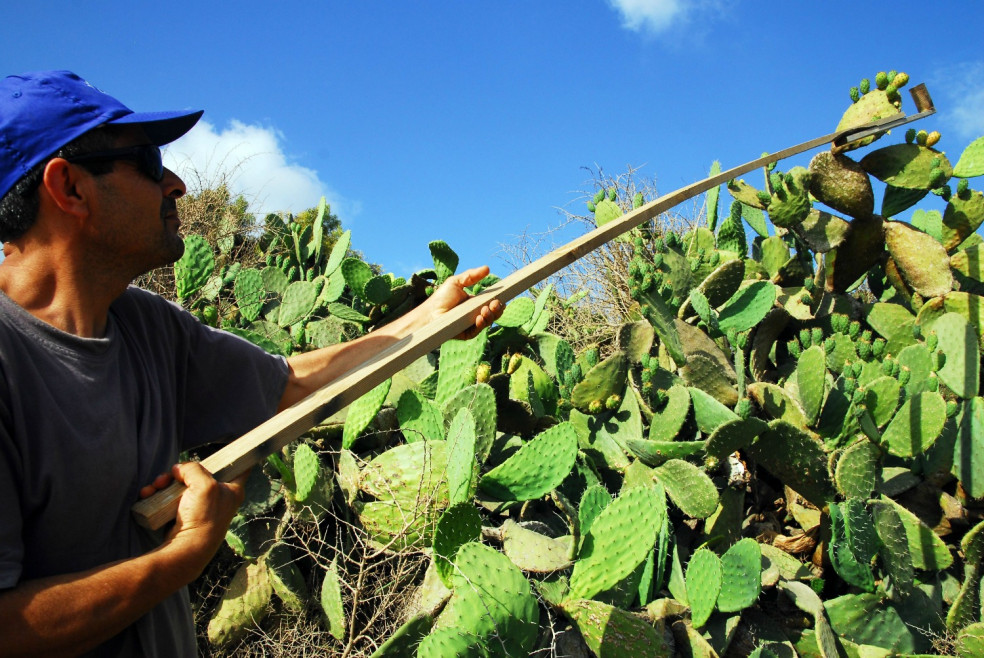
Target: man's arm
x,y
73,613
312,370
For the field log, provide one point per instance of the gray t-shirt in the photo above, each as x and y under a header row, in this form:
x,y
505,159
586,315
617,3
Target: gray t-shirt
x,y
85,423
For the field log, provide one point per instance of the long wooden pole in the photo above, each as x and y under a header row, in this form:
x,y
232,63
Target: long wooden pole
x,y
237,457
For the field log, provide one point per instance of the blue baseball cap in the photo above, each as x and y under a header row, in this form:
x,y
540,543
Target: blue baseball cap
x,y
43,111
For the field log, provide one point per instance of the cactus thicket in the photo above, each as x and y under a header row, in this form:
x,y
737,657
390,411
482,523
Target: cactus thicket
x,y
781,451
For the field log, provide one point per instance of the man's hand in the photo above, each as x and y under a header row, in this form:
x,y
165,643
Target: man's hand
x,y
452,292
204,512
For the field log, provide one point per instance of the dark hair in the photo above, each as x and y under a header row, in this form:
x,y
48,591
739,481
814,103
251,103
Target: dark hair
x,y
19,207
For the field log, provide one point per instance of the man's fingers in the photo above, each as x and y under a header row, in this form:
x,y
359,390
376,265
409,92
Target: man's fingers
x,y
160,482
472,276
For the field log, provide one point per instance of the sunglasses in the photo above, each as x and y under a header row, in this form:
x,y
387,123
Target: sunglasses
x,y
147,157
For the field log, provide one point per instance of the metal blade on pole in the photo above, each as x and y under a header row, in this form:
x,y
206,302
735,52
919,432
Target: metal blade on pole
x,y
238,456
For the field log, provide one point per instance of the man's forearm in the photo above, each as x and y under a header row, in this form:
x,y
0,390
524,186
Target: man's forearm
x,y
73,613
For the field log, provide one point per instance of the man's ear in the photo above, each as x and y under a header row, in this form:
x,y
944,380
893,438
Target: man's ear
x,y
67,186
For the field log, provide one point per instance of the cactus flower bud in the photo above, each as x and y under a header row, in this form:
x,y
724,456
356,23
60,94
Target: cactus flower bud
x,y
595,407
904,375
855,95
921,137
910,135
514,362
933,382
839,323
932,341
591,206
794,348
805,338
483,372
816,334
613,402
854,329
881,80
962,188
865,86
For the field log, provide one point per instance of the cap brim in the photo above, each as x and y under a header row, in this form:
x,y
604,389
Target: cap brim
x,y
161,127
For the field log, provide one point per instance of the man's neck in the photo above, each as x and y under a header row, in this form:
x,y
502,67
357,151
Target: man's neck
x,y
58,290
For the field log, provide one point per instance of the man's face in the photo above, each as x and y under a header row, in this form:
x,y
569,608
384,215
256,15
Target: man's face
x,y
136,220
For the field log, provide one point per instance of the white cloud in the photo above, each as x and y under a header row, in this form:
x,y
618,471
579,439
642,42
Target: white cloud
x,y
252,162
650,15
964,108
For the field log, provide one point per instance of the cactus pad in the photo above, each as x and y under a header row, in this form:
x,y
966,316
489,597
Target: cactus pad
x,y
921,260
916,425
539,466
420,419
605,379
741,576
612,632
459,525
244,604
688,487
703,585
362,412
618,541
492,600
797,458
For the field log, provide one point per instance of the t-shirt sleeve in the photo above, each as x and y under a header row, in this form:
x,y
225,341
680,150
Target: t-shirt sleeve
x,y
225,384
11,543
232,385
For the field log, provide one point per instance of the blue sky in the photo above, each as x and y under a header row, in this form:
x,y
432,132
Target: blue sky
x,y
473,122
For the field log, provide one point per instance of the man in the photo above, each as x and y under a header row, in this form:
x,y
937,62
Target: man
x,y
102,384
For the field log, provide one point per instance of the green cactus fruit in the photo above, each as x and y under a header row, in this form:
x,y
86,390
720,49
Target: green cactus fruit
x,y
916,425
537,468
419,418
618,541
921,137
855,94
688,487
534,552
609,631
797,458
741,576
244,604
459,524
606,378
492,600
362,412
703,585
963,215
841,183
599,195
459,362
